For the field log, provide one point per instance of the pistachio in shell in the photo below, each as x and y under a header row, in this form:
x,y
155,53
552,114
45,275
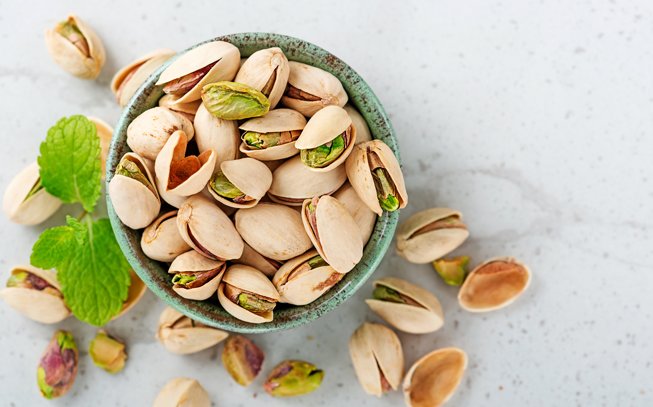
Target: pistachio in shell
x,y
452,271
161,240
293,182
273,136
247,294
26,201
252,258
363,132
188,109
150,130
182,392
221,136
76,48
196,277
293,378
234,101
108,352
363,216
240,183
242,359
181,335
57,369
128,79
311,89
434,378
267,71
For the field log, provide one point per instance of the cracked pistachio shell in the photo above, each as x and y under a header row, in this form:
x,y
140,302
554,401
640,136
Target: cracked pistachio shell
x,y
105,133
225,56
422,314
252,258
334,233
207,229
298,284
242,359
293,182
377,357
149,131
57,369
434,378
278,120
267,71
182,175
128,79
363,132
161,240
419,244
192,261
363,216
107,352
136,204
42,302
136,291
494,284
21,207
215,134
250,176
310,89
188,109
182,392
252,281
181,335
275,231
84,57
359,172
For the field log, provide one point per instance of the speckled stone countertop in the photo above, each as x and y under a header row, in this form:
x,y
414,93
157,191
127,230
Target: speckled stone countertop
x,y
533,118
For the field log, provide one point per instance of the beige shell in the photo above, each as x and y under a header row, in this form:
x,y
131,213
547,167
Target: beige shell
x,y
293,182
417,319
38,305
339,242
182,392
323,86
227,55
252,177
434,378
252,258
136,291
149,131
193,261
261,67
305,286
188,110
363,132
360,174
376,353
70,58
363,216
105,133
494,284
251,280
208,230
273,230
278,120
161,240
174,154
181,335
215,134
128,79
135,204
39,207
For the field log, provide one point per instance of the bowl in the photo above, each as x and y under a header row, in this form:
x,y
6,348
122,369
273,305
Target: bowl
x,y
153,273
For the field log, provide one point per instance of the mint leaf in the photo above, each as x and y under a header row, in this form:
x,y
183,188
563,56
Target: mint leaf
x,y
53,247
70,161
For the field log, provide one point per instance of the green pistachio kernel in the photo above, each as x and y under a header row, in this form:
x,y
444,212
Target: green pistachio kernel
x,y
260,141
17,278
255,304
385,191
69,30
384,293
183,279
130,169
453,271
293,378
322,156
223,187
317,261
234,101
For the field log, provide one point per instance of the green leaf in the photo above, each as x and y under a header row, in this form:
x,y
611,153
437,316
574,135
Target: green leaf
x,y
53,247
70,161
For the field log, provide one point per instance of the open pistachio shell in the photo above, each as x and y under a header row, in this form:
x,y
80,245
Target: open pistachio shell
x,y
76,48
201,288
304,279
208,230
406,306
188,109
293,182
333,231
253,283
105,133
494,284
377,357
363,216
128,79
310,89
36,294
365,159
276,122
434,378
211,62
149,131
161,240
136,291
267,71
251,177
215,134
273,230
252,258
182,392
181,335
26,201
363,132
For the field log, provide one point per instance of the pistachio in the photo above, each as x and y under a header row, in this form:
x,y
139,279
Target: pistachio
x,y
128,79
252,258
195,276
188,109
107,352
149,131
76,48
181,335
310,89
234,101
240,183
57,368
273,136
267,71
452,271
293,378
220,135
363,132
26,201
247,294
242,359
161,240
182,392
363,216
434,378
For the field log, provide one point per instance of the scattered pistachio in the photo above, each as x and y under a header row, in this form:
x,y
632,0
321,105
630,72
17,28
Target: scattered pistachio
x,y
57,369
453,271
180,334
107,352
182,392
76,48
242,359
434,378
293,378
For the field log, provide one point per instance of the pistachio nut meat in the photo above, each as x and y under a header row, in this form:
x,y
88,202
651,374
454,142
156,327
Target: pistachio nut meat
x,y
182,392
105,134
434,378
333,231
267,71
293,378
374,172
252,258
149,131
196,277
310,89
161,240
36,294
431,234
133,193
327,140
76,48
363,216
240,183
452,271
363,132
181,335
188,109
129,78
293,182
26,201
247,294
107,352
57,369
406,306
234,101
242,359
304,279
494,284
377,357
273,136
190,72
221,136
136,291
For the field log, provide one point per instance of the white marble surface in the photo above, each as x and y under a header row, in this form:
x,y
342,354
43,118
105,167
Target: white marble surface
x,y
534,118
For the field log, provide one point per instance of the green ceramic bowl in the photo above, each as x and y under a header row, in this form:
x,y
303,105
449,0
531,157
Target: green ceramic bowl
x,y
209,312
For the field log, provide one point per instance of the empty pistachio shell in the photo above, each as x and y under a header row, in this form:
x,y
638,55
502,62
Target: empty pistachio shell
x,y
57,368
215,134
293,378
310,89
161,240
430,234
406,306
107,352
247,294
36,294
26,201
196,277
188,109
272,137
180,334
128,79
234,101
252,258
76,48
242,359
105,133
182,392
434,378
363,216
136,291
453,271
267,71
240,183
378,359
149,131
494,284
363,133
211,62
